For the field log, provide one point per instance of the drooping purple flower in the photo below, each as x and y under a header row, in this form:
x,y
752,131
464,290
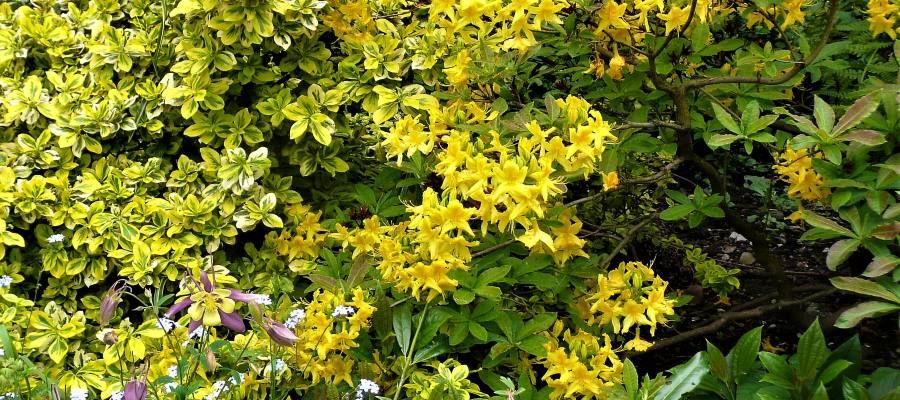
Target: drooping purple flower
x,y
111,301
136,390
280,334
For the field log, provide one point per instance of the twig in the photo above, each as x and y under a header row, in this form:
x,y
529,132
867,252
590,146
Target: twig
x,y
646,125
493,248
732,316
661,174
628,237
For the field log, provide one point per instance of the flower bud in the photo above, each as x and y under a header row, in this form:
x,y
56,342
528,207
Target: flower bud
x,y
280,334
211,363
136,390
110,338
111,301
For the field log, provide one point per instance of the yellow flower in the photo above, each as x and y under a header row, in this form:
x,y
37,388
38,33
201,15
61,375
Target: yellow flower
x,y
546,12
638,344
583,381
597,67
879,24
675,18
793,13
610,181
616,63
634,315
458,71
611,16
456,216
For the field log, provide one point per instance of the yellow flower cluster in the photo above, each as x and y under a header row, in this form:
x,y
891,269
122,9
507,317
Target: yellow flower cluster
x,y
321,353
301,245
883,17
625,301
514,22
583,368
626,23
790,11
325,339
505,181
795,168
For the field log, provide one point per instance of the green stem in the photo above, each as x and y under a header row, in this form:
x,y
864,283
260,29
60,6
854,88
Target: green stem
x,y
408,356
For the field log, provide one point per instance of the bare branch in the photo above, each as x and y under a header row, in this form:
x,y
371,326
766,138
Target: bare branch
x,y
646,125
658,176
628,237
733,316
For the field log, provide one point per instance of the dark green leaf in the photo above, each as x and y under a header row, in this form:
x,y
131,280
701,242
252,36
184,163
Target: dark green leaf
x,y
717,363
824,114
719,140
725,119
779,372
839,252
403,326
811,351
429,351
833,369
685,378
743,355
630,378
678,212
821,222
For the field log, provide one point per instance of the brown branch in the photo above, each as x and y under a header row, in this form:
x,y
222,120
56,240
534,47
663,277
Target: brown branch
x,y
627,238
634,49
733,316
658,176
646,125
493,248
786,76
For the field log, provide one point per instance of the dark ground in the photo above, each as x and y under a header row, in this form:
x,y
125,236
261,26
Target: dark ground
x,y
805,262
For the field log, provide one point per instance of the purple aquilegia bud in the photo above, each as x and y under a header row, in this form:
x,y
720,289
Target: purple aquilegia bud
x,y
136,390
280,334
111,301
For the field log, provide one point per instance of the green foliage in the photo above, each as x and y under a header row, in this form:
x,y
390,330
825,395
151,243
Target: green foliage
x,y
814,372
299,198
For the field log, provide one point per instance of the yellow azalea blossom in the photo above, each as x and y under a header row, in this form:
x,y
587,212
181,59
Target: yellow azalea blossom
x,y
616,63
458,71
547,11
675,18
879,24
597,67
793,13
611,16
610,181
638,344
